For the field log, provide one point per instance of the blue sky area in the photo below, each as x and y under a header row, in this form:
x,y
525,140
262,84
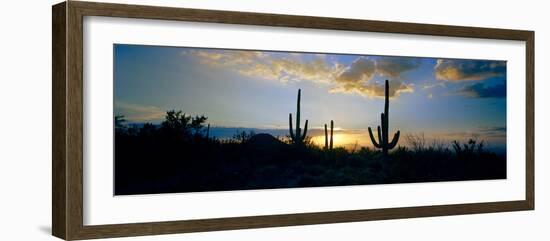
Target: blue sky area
x,y
445,99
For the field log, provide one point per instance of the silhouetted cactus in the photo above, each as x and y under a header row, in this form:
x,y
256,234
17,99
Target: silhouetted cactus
x,y
297,136
384,131
331,132
326,137
208,131
327,147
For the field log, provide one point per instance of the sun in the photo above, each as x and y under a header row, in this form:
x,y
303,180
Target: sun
x,y
339,140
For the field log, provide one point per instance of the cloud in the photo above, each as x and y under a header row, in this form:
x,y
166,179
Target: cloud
x,y
225,57
285,70
494,129
497,131
139,113
374,89
393,67
480,90
361,70
269,66
468,70
356,78
431,86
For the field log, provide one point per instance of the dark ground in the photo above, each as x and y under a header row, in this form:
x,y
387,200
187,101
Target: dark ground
x,y
176,157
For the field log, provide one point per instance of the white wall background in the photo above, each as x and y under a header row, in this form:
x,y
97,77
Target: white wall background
x,y
25,122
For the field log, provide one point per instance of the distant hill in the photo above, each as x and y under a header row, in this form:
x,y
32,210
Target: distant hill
x,y
228,132
264,141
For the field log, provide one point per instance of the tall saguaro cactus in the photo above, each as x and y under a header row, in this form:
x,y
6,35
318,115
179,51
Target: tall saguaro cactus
x,y
297,136
327,147
383,137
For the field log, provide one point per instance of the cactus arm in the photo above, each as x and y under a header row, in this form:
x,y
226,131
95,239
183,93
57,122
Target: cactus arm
x,y
326,137
305,131
387,99
290,126
379,134
384,139
394,140
373,140
298,131
331,132
386,117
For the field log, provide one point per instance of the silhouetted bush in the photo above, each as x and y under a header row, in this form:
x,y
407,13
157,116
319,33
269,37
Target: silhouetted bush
x,y
178,156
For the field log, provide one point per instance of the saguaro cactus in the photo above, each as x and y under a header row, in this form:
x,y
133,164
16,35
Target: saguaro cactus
x,y
331,132
384,131
297,136
326,137
208,131
327,147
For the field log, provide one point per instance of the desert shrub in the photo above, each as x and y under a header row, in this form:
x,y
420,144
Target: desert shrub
x,y
177,156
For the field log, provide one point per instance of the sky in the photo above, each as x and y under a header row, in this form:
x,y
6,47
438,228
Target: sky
x,y
443,99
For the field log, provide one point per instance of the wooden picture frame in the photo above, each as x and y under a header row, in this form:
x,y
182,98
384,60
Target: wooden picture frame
x,y
67,159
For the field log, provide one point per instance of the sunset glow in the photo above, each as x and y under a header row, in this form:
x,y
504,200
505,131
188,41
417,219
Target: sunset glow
x,y
256,90
198,119
346,140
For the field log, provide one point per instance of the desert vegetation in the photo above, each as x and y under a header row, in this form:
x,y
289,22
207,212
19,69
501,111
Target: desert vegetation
x,y
181,155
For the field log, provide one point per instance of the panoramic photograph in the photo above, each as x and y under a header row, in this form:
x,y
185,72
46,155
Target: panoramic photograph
x,y
190,119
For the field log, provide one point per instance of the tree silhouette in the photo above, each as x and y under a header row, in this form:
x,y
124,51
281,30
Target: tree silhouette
x,y
176,122
119,122
197,124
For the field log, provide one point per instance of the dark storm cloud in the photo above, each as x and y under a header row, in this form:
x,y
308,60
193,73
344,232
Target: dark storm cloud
x,y
480,90
468,70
